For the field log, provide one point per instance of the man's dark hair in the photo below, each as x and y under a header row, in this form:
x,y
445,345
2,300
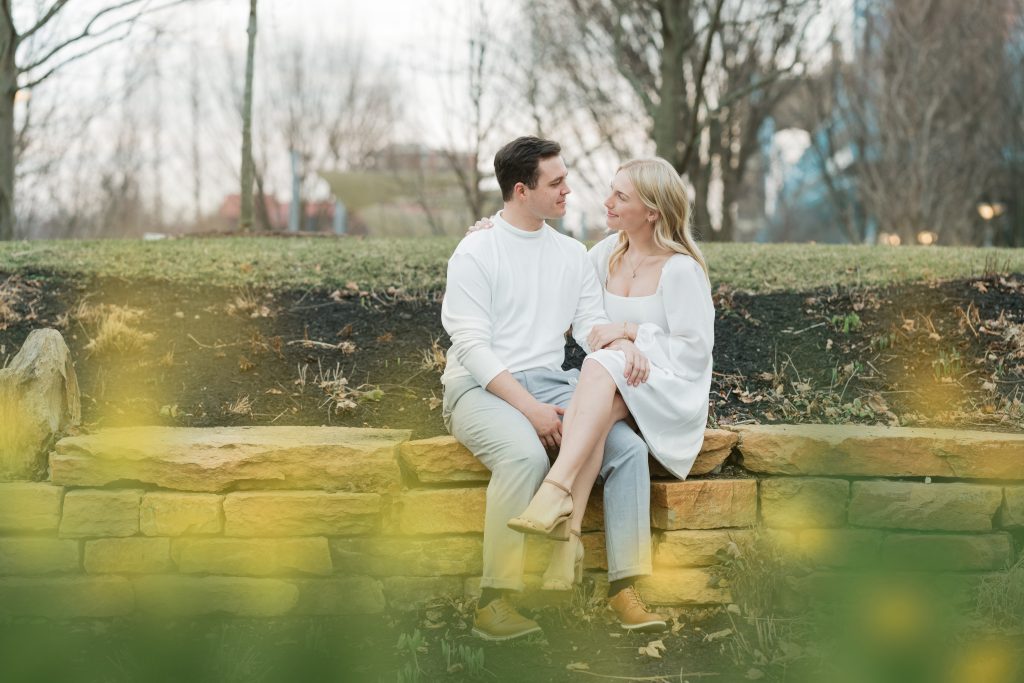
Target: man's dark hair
x,y
517,162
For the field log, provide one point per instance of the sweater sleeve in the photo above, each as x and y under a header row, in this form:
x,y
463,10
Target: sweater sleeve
x,y
685,348
465,315
590,307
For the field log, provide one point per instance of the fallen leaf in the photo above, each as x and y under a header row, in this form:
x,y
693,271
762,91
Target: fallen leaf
x,y
725,632
753,674
577,666
652,649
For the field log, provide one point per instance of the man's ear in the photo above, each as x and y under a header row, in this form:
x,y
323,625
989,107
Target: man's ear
x,y
519,190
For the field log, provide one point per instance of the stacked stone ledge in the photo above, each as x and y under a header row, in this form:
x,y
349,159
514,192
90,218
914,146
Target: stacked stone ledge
x,y
270,521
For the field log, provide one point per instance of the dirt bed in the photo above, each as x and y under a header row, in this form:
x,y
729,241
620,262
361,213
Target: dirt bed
x,y
943,354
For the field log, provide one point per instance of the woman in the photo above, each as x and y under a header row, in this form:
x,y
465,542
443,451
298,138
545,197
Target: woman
x,y
658,296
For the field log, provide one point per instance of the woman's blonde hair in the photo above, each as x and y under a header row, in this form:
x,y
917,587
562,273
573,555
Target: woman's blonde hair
x,y
661,189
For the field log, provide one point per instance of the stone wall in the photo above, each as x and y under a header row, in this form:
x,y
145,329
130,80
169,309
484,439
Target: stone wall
x,y
267,521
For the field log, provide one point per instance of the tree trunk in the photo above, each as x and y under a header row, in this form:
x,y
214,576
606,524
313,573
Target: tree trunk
x,y
245,220
8,87
672,106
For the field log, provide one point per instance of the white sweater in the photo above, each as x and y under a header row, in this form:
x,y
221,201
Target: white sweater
x,y
510,297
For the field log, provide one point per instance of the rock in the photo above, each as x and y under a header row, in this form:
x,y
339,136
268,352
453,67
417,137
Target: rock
x,y
912,505
681,587
38,556
128,556
301,513
840,547
442,511
252,556
339,596
869,451
221,458
409,592
383,556
30,507
704,503
442,459
170,596
694,548
100,513
1012,516
788,502
67,597
38,400
180,514
947,552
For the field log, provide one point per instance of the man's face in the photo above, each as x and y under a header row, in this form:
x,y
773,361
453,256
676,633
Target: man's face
x,y
547,200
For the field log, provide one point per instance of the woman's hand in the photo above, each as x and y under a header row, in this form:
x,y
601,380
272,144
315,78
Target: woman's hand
x,y
482,224
638,368
602,335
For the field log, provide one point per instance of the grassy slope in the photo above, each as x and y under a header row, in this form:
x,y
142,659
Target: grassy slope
x,y
419,264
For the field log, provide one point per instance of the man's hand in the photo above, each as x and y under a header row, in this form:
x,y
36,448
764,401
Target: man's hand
x,y
602,335
482,224
638,368
546,420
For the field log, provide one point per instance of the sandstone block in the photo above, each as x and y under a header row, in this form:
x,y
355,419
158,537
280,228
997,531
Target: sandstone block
x,y
180,514
193,596
912,505
861,450
301,513
681,587
100,513
382,556
442,511
30,507
442,459
67,597
339,596
38,399
794,502
409,592
694,548
840,547
948,552
252,556
1012,516
595,552
219,458
718,445
127,556
38,556
704,504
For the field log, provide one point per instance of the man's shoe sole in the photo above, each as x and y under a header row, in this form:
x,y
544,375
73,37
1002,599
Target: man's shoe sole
x,y
652,626
498,639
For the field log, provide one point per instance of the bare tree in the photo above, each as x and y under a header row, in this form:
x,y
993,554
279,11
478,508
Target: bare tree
x,y
245,219
919,113
31,56
704,74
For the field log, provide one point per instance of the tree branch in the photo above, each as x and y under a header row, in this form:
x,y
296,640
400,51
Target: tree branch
x,y
43,20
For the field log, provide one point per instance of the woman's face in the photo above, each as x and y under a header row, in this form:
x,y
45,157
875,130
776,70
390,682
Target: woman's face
x,y
625,210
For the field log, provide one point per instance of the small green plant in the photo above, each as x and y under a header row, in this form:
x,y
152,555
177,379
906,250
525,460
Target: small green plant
x,y
411,647
882,342
946,366
846,323
459,657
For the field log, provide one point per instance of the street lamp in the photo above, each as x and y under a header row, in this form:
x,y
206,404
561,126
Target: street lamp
x,y
989,210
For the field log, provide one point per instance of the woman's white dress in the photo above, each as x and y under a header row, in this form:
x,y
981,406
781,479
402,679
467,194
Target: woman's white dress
x,y
676,333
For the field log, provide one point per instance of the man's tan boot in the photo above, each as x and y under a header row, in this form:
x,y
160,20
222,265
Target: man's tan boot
x,y
498,620
633,613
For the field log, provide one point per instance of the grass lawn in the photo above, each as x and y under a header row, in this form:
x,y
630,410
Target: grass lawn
x,y
417,265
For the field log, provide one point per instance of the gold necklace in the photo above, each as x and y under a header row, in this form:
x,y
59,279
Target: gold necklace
x,y
640,264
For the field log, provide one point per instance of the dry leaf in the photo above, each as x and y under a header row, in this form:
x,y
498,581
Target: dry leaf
x,y
725,632
754,674
577,666
652,649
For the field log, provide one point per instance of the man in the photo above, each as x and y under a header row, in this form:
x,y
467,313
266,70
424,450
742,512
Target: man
x,y
512,292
